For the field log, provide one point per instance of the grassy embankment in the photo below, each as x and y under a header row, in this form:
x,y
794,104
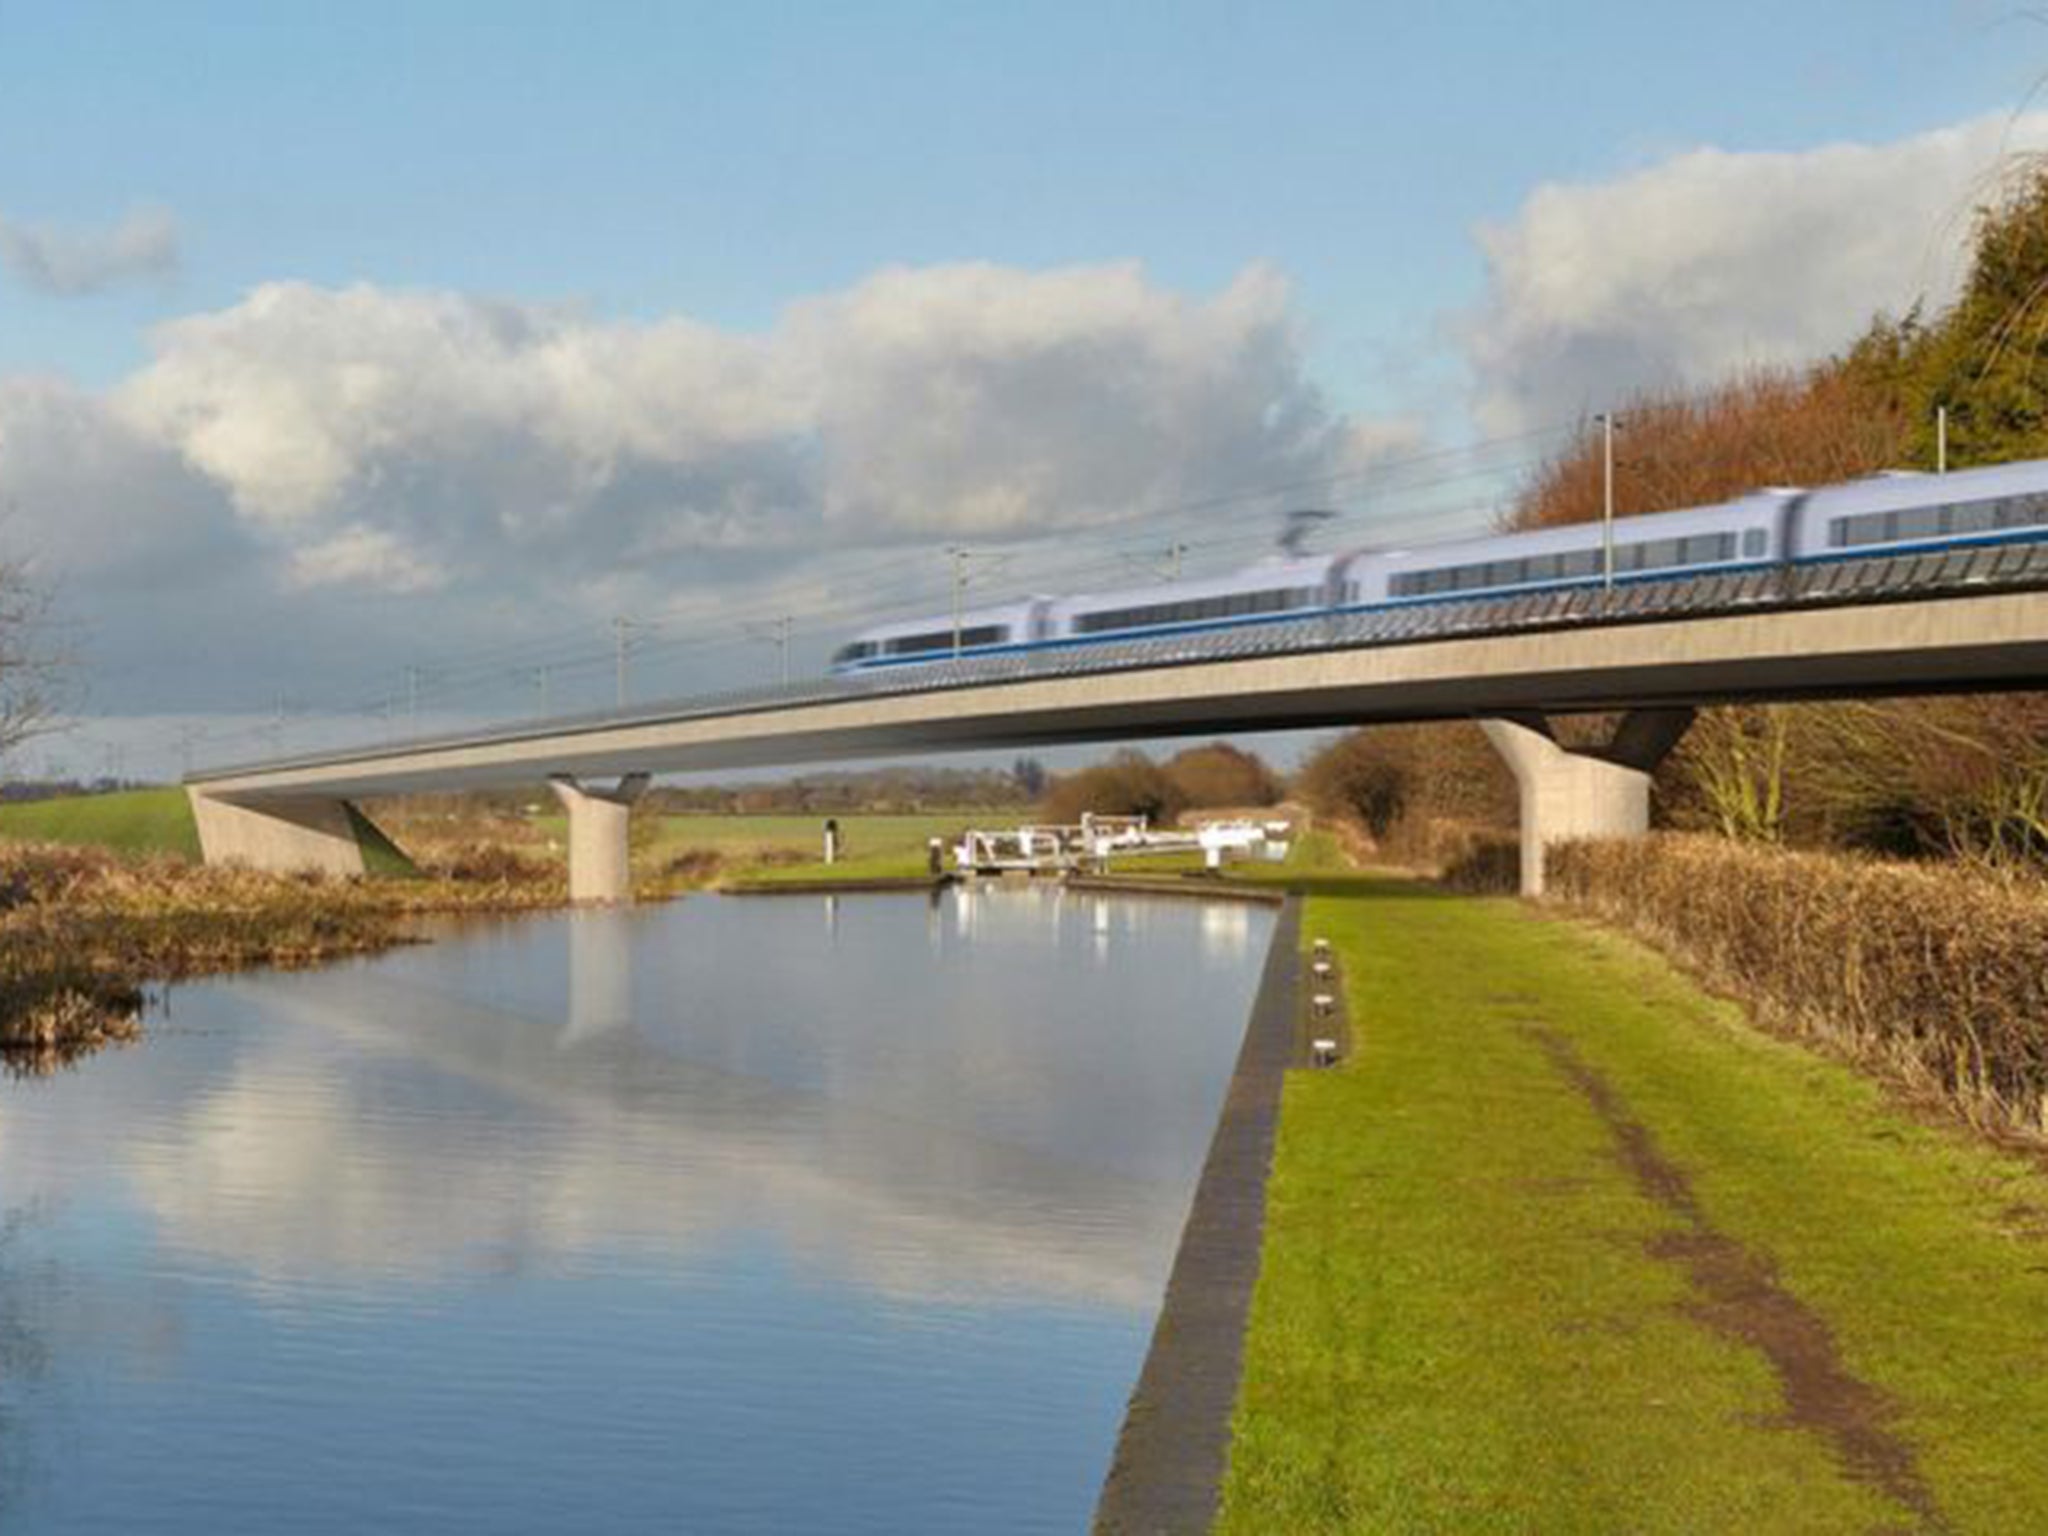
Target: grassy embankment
x,y
128,821
774,849
1569,1246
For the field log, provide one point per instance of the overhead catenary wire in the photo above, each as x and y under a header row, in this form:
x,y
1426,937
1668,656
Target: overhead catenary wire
x,y
896,581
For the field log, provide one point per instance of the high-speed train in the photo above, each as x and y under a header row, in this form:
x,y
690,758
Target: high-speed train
x,y
1891,514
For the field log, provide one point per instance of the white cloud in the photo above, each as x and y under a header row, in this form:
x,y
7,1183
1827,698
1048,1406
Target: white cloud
x,y
70,263
289,463
929,401
361,556
984,400
1711,261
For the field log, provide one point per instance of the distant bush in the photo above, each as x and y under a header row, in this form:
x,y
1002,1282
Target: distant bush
x,y
1222,775
1364,778
881,791
1934,974
1129,784
1420,793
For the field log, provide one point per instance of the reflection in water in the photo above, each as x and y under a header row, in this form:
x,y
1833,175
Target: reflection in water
x,y
698,1217
600,976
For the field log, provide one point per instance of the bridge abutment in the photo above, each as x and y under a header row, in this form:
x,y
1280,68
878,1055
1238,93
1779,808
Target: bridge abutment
x,y
1588,792
281,833
600,869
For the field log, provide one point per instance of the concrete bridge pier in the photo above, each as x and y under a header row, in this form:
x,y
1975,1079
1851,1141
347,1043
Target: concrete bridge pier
x,y
599,866
280,833
1582,792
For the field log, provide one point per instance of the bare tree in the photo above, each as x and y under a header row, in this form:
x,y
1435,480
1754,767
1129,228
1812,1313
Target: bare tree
x,y
31,666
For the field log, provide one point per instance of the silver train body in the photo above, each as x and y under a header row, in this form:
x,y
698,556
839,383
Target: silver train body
x,y
1887,515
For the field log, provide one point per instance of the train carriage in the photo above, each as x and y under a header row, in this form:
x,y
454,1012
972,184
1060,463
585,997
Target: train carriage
x,y
1885,515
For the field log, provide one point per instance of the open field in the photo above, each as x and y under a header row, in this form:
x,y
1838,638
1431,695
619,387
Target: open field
x,y
1569,1246
126,821
775,848
861,836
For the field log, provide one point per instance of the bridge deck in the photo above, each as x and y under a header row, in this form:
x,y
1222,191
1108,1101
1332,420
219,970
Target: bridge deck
x,y
1975,619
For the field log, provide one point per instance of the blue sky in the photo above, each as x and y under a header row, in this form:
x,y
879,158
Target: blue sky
x,y
722,160
667,233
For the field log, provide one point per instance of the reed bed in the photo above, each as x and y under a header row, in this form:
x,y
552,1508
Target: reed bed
x,y
82,932
1935,975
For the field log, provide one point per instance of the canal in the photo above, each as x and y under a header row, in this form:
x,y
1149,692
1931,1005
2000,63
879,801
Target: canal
x,y
737,1215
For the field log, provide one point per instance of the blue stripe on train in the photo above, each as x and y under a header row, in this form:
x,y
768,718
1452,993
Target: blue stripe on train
x,y
1299,615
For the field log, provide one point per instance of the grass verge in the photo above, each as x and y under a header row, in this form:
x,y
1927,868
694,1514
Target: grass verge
x,y
1569,1246
126,821
678,852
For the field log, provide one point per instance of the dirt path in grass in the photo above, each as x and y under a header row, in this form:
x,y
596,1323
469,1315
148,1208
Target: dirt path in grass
x,y
1740,1298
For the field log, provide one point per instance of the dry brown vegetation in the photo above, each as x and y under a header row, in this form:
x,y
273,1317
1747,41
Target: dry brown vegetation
x,y
82,931
1936,976
1963,777
1840,421
1220,774
1432,797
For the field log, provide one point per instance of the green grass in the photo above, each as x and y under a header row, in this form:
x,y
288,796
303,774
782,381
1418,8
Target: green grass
x,y
871,847
381,856
1459,1325
876,866
127,821
859,836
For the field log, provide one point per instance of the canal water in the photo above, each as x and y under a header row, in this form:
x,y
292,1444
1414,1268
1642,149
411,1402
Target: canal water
x,y
774,1215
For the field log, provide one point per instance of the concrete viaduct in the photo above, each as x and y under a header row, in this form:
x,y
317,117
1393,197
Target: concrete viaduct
x,y
1504,664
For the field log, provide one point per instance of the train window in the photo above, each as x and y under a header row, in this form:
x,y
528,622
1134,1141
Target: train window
x,y
942,640
1865,528
1225,605
2023,511
1754,542
1578,562
1657,553
1706,548
1921,523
